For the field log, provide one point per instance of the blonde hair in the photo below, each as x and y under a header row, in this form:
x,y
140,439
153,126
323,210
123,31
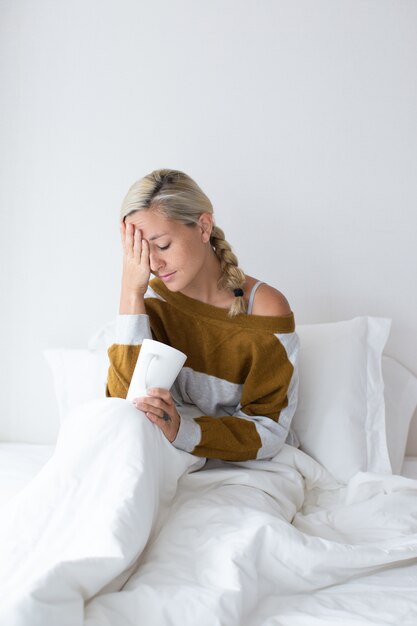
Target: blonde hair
x,y
178,197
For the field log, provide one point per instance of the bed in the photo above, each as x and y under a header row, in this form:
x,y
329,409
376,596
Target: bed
x,y
113,526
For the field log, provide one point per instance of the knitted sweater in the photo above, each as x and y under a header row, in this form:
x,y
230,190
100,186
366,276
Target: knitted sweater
x,y
237,392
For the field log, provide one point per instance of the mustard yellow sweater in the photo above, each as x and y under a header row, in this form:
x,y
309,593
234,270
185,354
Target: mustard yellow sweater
x,y
237,392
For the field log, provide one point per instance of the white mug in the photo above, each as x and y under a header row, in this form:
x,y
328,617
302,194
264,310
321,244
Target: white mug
x,y
158,365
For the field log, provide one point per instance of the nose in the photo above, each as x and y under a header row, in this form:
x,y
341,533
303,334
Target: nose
x,y
155,261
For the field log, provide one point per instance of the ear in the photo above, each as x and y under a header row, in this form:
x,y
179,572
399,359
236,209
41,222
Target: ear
x,y
205,222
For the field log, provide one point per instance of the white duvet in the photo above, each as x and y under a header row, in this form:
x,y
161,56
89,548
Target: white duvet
x,y
118,529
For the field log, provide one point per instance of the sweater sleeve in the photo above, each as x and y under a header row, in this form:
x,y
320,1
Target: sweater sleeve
x,y
131,330
260,425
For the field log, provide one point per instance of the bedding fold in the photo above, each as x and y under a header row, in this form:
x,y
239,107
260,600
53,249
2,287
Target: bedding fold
x,y
86,517
276,543
118,529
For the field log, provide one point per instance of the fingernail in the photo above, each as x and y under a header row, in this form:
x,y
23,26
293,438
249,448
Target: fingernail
x,y
149,392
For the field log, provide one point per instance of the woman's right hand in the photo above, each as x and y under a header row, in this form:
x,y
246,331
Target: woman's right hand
x,y
136,265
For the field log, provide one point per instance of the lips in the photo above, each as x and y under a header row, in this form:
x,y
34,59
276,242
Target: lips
x,y
166,277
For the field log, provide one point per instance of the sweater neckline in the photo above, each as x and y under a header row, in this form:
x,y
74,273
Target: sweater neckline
x,y
285,323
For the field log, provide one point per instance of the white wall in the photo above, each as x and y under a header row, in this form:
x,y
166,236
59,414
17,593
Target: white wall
x,y
297,118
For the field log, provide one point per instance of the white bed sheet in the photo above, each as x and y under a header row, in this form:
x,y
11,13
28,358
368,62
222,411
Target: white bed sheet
x,y
227,554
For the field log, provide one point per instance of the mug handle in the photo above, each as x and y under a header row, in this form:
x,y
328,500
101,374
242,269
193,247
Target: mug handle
x,y
152,357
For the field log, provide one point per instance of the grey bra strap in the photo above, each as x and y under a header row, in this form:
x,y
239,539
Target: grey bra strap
x,y
252,296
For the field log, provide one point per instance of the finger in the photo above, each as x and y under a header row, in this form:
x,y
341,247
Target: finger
x,y
159,414
129,239
163,422
158,392
152,417
157,405
144,258
154,405
137,245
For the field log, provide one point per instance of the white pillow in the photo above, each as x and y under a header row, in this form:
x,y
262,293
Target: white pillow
x,y
400,403
79,376
340,418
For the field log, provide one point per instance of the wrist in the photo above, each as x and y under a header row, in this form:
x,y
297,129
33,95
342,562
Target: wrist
x,y
132,302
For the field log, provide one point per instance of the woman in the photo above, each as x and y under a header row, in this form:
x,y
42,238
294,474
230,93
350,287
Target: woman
x,y
237,393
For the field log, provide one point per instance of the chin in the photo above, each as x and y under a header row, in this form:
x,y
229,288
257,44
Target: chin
x,y
173,288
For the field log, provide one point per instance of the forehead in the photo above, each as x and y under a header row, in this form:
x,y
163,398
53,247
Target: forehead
x,y
146,217
152,223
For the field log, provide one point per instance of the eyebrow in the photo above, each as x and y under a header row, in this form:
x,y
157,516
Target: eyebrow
x,y
156,237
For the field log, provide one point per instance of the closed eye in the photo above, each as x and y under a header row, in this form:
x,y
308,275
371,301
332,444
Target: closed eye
x,y
164,247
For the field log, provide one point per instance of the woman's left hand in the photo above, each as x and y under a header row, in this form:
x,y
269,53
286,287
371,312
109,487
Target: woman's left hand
x,y
160,409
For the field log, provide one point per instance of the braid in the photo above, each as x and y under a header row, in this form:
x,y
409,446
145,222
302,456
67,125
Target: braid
x,y
232,276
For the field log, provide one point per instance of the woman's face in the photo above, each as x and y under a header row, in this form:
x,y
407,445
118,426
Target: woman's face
x,y
177,252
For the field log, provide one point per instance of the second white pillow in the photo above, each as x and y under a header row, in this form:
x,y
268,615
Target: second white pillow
x,y
340,418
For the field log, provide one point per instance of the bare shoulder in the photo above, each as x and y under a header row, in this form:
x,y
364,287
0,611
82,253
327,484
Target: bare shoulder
x,y
269,301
